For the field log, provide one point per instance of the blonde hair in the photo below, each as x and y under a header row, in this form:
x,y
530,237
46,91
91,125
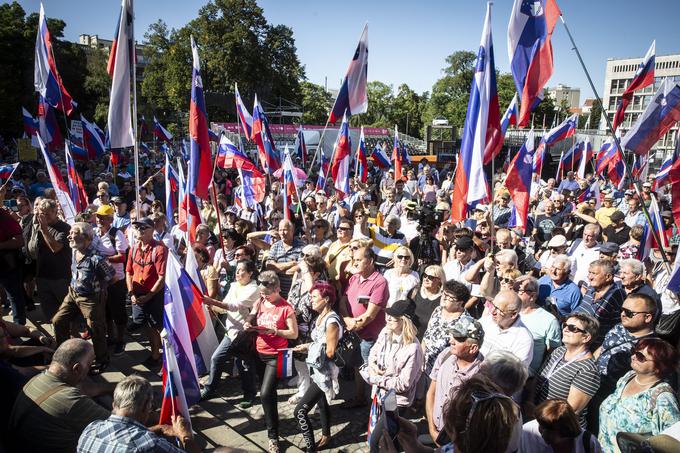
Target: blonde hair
x,y
437,271
408,331
361,243
404,249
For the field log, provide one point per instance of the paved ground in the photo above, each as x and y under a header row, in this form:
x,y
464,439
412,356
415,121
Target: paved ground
x,y
219,422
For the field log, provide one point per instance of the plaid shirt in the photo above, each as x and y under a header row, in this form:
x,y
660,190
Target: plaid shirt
x,y
91,273
607,309
119,434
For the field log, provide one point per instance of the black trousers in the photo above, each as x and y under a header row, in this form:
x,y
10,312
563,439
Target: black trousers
x,y
268,395
312,396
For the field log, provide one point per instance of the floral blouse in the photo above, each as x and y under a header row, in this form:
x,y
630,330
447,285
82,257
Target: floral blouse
x,y
436,337
648,412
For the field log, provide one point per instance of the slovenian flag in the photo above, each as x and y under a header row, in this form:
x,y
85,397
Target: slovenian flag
x,y
644,76
518,180
353,95
362,164
160,132
341,158
121,64
284,364
6,170
245,119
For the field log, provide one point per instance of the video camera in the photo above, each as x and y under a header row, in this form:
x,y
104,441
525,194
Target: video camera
x,y
427,217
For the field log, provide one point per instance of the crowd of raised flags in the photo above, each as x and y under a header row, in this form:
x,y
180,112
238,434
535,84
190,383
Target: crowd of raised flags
x,y
190,337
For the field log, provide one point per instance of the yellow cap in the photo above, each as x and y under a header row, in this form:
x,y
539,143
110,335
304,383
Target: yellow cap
x,y
105,210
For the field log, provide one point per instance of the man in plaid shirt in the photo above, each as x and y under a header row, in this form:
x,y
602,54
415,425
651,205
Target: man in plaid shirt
x,y
125,429
86,293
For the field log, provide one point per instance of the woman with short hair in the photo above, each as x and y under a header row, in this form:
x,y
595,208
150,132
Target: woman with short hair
x,y
400,278
556,429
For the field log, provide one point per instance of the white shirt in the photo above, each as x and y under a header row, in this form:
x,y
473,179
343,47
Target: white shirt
x,y
581,257
532,441
454,271
516,339
105,248
399,285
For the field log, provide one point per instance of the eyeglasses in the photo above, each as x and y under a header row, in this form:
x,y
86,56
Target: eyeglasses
x,y
402,257
496,308
507,280
449,296
344,228
631,314
431,277
239,255
524,290
637,355
141,227
478,397
572,328
266,284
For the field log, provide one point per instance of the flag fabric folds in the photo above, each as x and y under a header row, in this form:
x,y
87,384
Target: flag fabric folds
x,y
647,241
518,180
47,124
290,184
530,50
269,155
353,95
200,162
161,133
660,115
301,147
644,76
93,143
493,141
245,119
174,400
76,188
362,163
341,159
397,156
143,128
6,170
171,188
31,125
60,187
586,156
510,116
45,75
469,182
284,364
229,156
565,129
380,158
120,66
323,171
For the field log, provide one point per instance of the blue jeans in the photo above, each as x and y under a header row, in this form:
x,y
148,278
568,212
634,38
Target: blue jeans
x,y
218,363
366,346
11,281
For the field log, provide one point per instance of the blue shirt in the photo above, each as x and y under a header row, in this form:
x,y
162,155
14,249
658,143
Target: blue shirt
x,y
37,189
572,186
566,296
121,222
119,434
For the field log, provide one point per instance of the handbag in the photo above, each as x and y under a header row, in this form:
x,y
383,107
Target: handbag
x,y
243,345
348,351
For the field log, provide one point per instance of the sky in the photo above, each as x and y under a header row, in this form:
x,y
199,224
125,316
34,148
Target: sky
x,y
409,40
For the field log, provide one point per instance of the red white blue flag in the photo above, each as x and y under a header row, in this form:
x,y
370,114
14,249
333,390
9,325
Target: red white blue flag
x,y
647,242
161,133
362,164
30,124
200,161
586,157
143,128
245,119
565,129
6,170
660,115
284,364
75,184
229,156
45,76
644,76
380,158
323,171
301,147
171,188
60,187
252,190
120,66
669,167
518,180
353,95
269,155
469,182
510,116
530,50
493,141
639,168
47,123
341,159
176,397
92,141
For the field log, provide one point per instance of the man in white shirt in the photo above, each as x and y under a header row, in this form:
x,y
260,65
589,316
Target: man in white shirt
x,y
505,331
461,262
584,252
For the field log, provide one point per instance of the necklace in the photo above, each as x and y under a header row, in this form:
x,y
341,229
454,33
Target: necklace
x,y
637,381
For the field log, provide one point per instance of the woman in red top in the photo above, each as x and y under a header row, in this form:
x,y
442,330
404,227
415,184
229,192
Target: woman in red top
x,y
275,325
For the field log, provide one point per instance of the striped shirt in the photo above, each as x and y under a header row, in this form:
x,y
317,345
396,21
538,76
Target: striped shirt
x,y
558,376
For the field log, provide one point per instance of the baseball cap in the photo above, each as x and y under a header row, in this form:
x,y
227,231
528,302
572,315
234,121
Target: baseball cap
x,y
609,196
105,210
609,248
482,208
144,222
617,216
117,200
647,184
404,307
557,241
464,243
628,192
467,327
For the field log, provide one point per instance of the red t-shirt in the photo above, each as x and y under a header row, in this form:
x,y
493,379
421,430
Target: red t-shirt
x,y
9,227
271,318
146,264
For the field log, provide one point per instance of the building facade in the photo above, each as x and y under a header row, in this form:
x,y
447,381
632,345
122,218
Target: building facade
x,y
94,42
571,97
619,74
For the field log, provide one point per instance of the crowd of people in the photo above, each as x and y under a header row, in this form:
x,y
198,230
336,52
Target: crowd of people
x,y
558,337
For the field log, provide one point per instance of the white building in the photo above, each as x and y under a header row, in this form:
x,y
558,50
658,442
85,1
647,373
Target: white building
x,y
619,74
572,96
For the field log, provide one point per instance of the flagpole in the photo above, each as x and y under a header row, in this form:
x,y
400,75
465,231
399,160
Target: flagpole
x,y
134,108
8,179
636,187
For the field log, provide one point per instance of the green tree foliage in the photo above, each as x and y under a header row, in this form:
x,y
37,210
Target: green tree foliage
x,y
407,111
316,103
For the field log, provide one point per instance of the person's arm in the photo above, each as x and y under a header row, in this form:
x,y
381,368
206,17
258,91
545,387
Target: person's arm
x,y
52,243
157,287
182,431
429,405
332,337
291,333
409,372
367,317
21,351
280,267
472,274
577,399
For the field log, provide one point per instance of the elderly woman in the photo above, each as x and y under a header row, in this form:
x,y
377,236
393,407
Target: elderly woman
x,y
203,237
570,372
400,278
642,402
360,216
395,361
239,301
556,429
327,330
275,324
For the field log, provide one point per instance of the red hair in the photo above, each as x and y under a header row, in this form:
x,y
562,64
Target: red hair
x,y
664,355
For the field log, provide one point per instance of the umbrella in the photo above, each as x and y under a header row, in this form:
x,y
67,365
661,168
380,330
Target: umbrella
x,y
298,174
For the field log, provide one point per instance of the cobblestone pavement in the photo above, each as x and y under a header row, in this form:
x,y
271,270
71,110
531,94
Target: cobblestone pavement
x,y
219,422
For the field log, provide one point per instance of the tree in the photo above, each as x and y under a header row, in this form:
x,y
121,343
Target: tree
x,y
380,100
407,111
316,103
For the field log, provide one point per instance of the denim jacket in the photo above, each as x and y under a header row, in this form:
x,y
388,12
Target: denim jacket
x,y
91,274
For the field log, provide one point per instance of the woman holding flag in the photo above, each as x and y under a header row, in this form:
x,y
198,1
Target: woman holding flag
x,y
274,320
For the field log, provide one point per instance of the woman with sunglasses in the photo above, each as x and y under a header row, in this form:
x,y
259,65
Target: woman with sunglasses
x,y
400,278
275,324
642,402
360,216
570,372
427,296
339,252
320,235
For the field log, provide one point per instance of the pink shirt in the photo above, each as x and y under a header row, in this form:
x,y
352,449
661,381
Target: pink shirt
x,y
273,318
375,287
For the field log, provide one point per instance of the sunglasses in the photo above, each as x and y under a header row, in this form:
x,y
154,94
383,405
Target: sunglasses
x,y
631,314
402,257
344,228
572,328
264,283
637,355
141,227
507,280
431,277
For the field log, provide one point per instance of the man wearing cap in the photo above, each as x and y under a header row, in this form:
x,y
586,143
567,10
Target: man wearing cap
x,y
462,251
145,279
607,209
623,205
617,231
113,246
121,218
505,331
647,193
634,215
556,246
609,251
501,211
453,366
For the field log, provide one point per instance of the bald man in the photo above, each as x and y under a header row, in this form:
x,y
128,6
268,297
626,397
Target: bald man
x,y
504,330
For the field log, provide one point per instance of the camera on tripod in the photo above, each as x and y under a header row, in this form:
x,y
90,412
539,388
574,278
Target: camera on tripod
x,y
428,218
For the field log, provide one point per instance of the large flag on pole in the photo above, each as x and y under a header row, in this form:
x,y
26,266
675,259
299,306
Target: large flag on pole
x,y
45,75
510,116
60,187
246,120
121,61
47,125
469,182
530,50
660,115
92,141
644,76
362,163
171,188
518,180
75,184
341,159
380,158
200,162
493,142
353,96
647,241
269,155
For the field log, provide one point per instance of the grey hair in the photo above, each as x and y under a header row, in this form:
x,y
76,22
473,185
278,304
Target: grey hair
x,y
505,369
596,229
85,228
48,203
71,352
532,283
270,276
287,223
635,266
508,253
562,259
312,249
393,218
605,265
132,394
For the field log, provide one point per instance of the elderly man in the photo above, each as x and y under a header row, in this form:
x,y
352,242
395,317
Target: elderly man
x,y
113,245
633,279
145,280
390,206
505,331
121,218
87,293
569,183
501,211
125,430
453,366
52,409
584,251
603,298
634,215
544,327
284,255
556,289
